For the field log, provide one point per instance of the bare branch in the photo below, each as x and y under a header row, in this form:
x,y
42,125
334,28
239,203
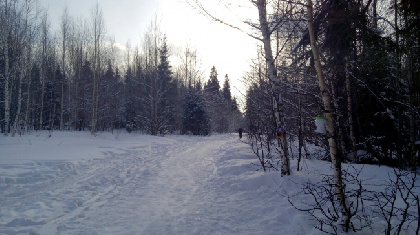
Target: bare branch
x,y
203,11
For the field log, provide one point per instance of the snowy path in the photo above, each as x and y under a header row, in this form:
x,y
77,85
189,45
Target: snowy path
x,y
121,183
179,185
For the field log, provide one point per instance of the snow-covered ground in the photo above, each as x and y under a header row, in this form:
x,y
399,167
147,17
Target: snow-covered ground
x,y
120,183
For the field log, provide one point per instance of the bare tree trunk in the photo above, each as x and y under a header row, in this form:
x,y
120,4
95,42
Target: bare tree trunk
x,y
6,93
307,152
95,81
375,14
16,124
41,120
43,66
155,85
28,67
77,93
64,32
98,29
6,70
272,74
401,161
24,70
28,102
326,100
188,81
413,115
300,136
52,111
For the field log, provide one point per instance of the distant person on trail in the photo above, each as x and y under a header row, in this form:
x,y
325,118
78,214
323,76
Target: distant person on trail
x,y
240,132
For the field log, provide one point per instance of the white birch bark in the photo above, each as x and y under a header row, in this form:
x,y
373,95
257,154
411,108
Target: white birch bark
x,y
64,34
45,29
28,80
16,123
28,102
326,100
155,85
98,30
31,26
272,74
24,41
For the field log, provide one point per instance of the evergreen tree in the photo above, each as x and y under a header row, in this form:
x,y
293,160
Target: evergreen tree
x,y
212,86
84,98
226,89
109,100
119,110
130,101
167,92
195,119
164,68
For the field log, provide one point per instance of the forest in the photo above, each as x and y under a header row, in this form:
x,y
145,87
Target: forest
x,y
357,67
353,64
368,54
77,79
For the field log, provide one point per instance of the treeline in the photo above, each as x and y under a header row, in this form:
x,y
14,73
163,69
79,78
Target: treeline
x,y
370,56
76,79
354,64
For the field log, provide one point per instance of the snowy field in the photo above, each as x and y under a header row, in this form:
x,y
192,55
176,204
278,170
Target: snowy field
x,y
120,183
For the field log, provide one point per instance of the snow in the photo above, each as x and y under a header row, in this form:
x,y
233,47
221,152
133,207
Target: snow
x,y
121,183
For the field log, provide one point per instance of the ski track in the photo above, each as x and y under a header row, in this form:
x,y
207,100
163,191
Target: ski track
x,y
171,188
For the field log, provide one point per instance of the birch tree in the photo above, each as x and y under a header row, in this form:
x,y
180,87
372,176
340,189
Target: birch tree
x,y
5,36
265,38
326,100
272,74
45,41
22,41
31,26
98,30
188,75
150,96
77,58
64,28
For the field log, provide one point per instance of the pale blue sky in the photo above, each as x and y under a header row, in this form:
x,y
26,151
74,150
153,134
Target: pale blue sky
x,y
227,49
124,19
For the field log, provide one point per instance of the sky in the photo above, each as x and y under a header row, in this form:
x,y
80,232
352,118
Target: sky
x,y
229,50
